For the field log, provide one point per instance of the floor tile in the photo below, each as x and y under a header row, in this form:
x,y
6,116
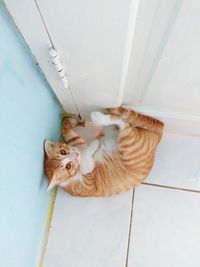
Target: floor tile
x,y
165,229
177,162
89,232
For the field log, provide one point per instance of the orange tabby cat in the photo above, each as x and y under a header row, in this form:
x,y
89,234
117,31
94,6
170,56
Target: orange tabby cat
x,y
116,161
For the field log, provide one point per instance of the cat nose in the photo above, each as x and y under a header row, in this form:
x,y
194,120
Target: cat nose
x,y
74,155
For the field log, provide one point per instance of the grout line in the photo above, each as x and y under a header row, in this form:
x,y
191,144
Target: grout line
x,y
132,203
47,228
130,228
172,187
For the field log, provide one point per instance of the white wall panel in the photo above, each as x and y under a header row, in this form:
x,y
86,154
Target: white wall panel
x,y
154,24
135,52
90,37
176,83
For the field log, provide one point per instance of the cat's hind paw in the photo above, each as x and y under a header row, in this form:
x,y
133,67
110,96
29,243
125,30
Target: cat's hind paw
x,y
100,118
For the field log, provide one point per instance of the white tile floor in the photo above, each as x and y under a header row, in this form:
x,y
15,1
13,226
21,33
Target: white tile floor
x,y
165,232
166,228
177,162
90,232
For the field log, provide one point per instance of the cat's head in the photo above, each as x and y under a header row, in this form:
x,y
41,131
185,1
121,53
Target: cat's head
x,y
61,162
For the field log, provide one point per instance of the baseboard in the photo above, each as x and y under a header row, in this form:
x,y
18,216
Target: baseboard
x,y
175,122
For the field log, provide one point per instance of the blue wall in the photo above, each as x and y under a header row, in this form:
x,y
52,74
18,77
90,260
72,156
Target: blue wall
x,y
29,113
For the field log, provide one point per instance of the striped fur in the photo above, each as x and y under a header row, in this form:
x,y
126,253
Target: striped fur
x,y
115,169
69,136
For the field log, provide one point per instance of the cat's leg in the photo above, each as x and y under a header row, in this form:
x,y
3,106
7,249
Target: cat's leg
x,y
69,135
146,122
107,119
136,119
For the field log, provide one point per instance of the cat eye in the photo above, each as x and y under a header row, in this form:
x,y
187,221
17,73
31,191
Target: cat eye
x,y
68,166
63,152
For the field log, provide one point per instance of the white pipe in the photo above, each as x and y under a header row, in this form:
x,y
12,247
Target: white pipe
x,y
55,58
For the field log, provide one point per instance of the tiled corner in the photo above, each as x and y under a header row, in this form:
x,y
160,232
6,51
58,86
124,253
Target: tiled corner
x,y
89,232
177,162
166,228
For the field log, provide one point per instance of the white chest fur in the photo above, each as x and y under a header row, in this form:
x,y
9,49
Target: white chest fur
x,y
108,143
97,148
87,160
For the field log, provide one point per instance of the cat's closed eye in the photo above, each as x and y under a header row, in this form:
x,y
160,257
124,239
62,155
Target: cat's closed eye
x,y
68,166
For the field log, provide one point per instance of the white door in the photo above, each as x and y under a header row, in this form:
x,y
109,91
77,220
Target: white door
x,y
141,53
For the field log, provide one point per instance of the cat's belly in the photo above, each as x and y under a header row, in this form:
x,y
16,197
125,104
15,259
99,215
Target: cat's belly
x,y
108,143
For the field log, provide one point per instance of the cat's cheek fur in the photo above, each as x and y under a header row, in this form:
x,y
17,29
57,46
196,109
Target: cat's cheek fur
x,y
77,177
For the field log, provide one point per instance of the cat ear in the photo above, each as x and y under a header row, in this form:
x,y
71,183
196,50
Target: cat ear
x,y
53,183
48,145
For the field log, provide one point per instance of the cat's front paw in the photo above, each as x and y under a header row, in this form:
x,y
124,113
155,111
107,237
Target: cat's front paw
x,y
100,118
69,123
